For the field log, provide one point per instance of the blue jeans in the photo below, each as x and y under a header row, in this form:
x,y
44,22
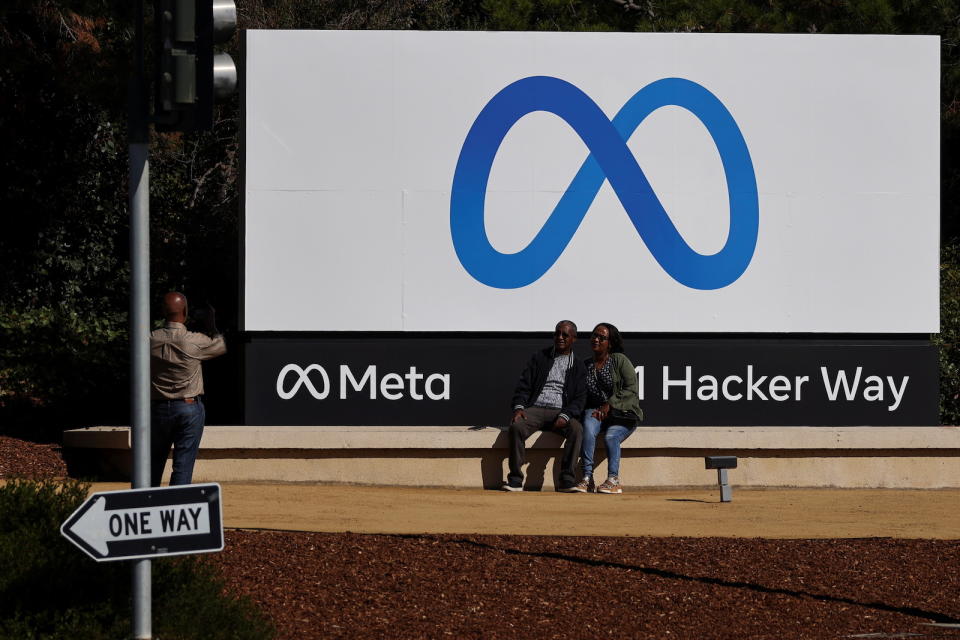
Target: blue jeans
x,y
615,434
177,423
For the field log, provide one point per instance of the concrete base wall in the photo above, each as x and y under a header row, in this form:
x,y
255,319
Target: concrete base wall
x,y
890,457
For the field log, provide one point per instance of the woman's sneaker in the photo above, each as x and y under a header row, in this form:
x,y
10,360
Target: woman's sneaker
x,y
610,485
585,485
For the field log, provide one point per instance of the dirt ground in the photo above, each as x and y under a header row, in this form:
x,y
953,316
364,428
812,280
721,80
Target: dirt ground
x,y
390,562
696,512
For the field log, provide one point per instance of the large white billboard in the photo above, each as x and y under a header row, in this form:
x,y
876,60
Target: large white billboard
x,y
451,181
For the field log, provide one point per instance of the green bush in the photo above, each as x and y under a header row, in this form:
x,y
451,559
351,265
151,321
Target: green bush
x,y
948,340
49,589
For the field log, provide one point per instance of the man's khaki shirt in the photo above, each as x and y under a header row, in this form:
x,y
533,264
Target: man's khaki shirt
x,y
175,356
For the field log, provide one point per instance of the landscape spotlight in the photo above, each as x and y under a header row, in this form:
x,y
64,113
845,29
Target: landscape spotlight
x,y
721,464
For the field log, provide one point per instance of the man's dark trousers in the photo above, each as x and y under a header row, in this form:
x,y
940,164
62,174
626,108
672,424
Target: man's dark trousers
x,y
541,419
181,424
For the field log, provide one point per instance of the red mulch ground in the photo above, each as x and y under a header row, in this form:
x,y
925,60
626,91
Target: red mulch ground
x,y
319,585
30,460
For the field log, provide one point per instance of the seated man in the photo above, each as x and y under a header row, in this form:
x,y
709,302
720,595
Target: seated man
x,y
550,397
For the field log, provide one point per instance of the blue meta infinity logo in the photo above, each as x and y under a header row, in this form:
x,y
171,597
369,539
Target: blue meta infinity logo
x,y
609,159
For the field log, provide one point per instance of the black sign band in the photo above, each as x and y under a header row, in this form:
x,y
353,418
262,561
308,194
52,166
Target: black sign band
x,y
457,380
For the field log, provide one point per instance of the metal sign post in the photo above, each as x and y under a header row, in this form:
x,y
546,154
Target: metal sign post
x,y
185,60
140,311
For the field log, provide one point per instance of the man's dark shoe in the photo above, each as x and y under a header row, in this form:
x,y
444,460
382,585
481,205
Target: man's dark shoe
x,y
512,486
569,489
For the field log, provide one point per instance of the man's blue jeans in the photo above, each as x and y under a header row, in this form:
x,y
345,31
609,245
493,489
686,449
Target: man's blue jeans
x,y
177,423
615,434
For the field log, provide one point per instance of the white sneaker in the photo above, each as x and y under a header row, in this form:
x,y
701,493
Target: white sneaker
x,y
585,485
610,485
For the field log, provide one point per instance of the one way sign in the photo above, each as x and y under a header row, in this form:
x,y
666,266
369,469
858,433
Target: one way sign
x,y
144,523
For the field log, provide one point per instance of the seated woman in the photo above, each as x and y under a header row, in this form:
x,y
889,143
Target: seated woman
x,y
613,405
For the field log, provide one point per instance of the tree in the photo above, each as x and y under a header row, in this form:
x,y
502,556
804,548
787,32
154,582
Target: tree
x,y
62,308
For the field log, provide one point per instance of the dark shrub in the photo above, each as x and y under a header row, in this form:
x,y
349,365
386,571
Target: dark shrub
x,y
49,589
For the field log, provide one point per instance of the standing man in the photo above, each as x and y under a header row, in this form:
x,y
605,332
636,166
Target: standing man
x,y
550,397
176,411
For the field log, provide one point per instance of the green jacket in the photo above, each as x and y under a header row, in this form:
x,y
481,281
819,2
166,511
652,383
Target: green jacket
x,y
625,386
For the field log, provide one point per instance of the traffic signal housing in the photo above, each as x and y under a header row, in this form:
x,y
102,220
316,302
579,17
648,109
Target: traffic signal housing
x,y
190,73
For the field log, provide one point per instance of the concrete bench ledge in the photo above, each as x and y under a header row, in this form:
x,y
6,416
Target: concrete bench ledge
x,y
373,437
458,456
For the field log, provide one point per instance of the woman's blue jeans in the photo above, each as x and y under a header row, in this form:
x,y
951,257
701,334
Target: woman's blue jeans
x,y
613,436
